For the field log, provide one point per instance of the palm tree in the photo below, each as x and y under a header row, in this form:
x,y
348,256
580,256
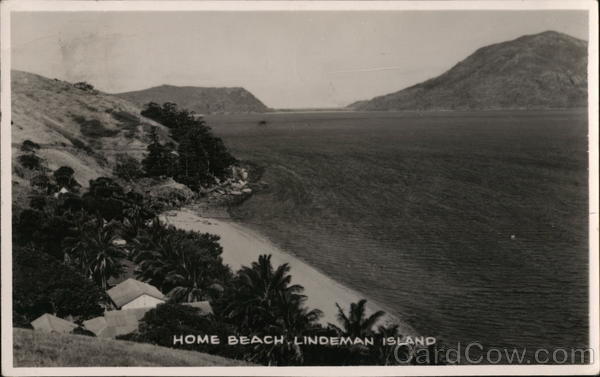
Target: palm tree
x,y
385,354
265,302
356,323
186,265
258,293
133,223
94,251
293,320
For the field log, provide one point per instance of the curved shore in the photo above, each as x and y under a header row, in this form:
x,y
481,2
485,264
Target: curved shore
x,y
242,246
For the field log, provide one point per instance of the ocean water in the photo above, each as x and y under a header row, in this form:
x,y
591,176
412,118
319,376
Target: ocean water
x,y
470,226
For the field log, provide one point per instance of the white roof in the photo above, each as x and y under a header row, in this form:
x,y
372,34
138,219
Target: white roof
x,y
204,306
130,289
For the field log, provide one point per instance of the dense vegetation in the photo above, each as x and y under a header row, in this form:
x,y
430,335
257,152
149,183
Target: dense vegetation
x,y
66,253
199,157
70,244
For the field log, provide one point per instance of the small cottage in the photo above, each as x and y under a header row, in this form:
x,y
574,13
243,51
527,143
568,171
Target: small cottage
x,y
135,294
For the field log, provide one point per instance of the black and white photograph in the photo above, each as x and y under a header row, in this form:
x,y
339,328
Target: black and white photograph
x,y
343,188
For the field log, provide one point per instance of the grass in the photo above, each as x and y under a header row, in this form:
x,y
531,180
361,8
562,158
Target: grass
x,y
472,226
40,349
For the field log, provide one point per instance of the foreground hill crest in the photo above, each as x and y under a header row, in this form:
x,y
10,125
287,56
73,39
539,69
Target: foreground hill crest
x,y
540,71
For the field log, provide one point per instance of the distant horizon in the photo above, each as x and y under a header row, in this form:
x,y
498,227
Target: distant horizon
x,y
305,60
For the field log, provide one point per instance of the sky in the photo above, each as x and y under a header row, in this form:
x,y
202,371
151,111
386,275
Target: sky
x,y
286,59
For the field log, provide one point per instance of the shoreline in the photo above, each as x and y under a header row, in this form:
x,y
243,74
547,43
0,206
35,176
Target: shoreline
x,y
242,246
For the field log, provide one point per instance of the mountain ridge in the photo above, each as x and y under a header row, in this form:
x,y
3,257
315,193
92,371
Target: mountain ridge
x,y
204,100
536,71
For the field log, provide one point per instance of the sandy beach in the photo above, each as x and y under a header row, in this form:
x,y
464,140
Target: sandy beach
x,y
242,246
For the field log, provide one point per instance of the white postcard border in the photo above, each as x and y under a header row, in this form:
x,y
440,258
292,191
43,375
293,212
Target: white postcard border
x,y
8,6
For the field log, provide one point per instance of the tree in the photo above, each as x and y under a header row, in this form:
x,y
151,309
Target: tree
x,y
161,324
42,284
128,168
194,161
46,229
94,253
263,301
42,183
357,324
30,161
294,320
105,198
64,177
385,354
257,294
159,159
201,155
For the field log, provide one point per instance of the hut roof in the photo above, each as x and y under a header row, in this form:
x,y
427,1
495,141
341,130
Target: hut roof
x,y
51,323
99,327
122,322
127,291
204,306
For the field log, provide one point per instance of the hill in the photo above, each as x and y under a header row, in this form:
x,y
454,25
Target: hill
x,y
541,71
81,128
40,349
200,100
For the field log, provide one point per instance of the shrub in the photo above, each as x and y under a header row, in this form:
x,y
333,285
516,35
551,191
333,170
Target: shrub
x,y
93,128
87,87
30,161
29,146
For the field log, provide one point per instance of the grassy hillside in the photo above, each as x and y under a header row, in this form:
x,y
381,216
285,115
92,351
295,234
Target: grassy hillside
x,y
81,129
40,349
418,211
78,128
199,99
546,70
